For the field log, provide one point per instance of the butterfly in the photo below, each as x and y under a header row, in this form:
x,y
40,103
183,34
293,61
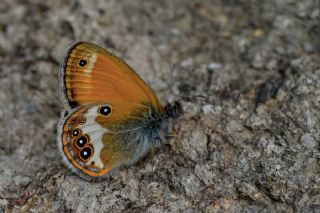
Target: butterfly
x,y
112,118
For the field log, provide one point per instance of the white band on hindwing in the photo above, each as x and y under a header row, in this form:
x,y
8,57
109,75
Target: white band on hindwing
x,y
95,132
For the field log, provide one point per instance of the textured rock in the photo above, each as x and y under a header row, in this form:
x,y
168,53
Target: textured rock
x,y
251,146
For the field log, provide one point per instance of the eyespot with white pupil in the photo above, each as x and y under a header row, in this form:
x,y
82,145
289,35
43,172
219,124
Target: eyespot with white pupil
x,y
105,110
76,132
85,153
81,141
82,63
82,120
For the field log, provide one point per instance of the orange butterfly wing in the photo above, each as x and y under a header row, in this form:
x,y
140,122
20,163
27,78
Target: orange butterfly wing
x,y
92,77
105,137
91,74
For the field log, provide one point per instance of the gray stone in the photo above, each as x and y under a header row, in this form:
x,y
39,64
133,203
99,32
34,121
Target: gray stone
x,y
251,146
308,141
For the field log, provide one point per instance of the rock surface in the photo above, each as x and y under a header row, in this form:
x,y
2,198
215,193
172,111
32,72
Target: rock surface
x,y
251,146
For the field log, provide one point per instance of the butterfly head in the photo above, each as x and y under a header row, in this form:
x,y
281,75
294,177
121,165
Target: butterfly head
x,y
157,124
160,124
173,110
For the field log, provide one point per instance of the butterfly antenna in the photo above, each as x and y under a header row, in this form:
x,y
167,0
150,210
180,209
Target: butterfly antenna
x,y
210,69
194,98
204,99
170,136
171,79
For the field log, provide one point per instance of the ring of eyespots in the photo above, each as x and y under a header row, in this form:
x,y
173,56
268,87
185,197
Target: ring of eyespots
x,y
76,132
105,110
82,120
82,63
81,141
86,153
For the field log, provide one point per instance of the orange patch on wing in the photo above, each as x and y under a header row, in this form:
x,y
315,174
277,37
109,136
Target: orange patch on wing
x,y
103,74
86,171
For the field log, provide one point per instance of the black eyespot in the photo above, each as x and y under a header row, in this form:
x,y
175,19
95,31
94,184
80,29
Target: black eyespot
x,y
105,110
86,153
81,142
82,63
76,132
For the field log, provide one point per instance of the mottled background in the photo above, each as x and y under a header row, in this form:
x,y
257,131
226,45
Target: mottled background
x,y
252,146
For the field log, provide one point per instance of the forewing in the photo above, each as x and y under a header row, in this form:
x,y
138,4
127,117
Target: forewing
x,y
90,74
